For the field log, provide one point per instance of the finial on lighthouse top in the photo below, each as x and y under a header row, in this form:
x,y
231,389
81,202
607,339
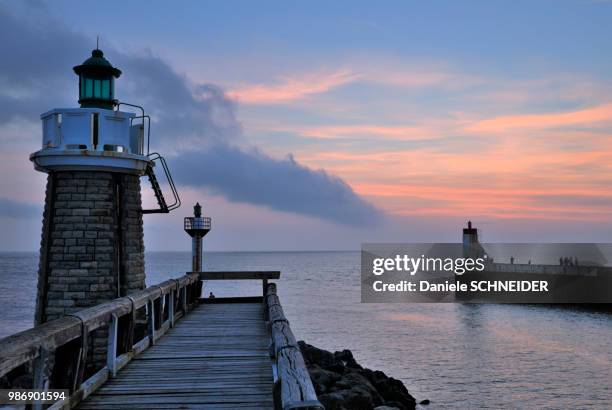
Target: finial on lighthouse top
x,y
470,230
97,81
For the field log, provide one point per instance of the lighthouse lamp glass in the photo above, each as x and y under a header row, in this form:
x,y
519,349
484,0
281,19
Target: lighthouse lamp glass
x,y
96,88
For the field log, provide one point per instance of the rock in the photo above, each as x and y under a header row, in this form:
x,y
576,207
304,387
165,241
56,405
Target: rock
x,y
343,355
332,401
424,402
318,356
342,384
352,380
394,390
346,357
358,398
321,378
396,405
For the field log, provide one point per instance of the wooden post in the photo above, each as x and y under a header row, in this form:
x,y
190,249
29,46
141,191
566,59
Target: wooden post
x,y
265,287
184,299
159,313
190,293
42,373
151,322
82,360
125,331
171,307
198,291
111,352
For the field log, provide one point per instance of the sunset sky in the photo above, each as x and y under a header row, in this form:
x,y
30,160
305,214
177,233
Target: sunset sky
x,y
422,115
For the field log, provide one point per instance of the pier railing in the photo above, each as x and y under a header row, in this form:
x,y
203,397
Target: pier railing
x,y
292,383
57,351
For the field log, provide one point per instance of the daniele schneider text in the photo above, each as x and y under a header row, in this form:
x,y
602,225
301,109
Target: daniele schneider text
x,y
458,266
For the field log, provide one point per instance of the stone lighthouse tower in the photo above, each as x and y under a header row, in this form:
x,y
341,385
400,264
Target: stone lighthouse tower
x,y
92,247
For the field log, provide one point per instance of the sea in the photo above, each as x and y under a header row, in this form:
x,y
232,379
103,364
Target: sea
x,y
456,355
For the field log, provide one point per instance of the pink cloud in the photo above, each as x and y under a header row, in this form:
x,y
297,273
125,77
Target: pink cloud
x,y
505,181
588,116
367,130
293,87
297,86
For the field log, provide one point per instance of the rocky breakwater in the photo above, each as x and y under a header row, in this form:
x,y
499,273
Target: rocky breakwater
x,y
342,384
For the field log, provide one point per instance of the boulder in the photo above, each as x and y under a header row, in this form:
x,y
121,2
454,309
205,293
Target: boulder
x,y
332,401
322,379
342,384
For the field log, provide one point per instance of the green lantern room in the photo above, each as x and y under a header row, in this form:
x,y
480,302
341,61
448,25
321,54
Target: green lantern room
x,y
97,81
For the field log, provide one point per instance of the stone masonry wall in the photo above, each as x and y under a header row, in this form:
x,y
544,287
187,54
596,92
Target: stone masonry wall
x,y
92,245
133,270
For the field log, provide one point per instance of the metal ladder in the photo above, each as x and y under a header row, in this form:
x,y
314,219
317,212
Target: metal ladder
x,y
164,208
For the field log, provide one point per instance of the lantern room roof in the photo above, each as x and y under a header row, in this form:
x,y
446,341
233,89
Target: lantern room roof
x,y
97,65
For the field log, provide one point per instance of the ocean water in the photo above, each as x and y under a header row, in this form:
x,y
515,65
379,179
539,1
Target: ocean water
x,y
458,356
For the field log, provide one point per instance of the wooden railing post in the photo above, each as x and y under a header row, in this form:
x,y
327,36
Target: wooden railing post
x,y
43,368
158,310
111,352
126,329
151,321
197,290
264,286
82,359
171,307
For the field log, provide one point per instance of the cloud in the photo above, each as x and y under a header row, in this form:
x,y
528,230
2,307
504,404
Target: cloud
x,y
184,115
283,184
292,88
423,130
401,132
587,116
194,123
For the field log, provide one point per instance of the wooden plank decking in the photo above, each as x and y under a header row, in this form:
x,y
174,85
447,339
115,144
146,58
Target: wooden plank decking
x,y
217,357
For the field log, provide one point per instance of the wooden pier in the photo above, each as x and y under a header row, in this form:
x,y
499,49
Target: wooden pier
x,y
168,348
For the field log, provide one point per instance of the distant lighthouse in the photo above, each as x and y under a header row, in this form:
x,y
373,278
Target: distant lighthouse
x,y
197,227
471,245
92,247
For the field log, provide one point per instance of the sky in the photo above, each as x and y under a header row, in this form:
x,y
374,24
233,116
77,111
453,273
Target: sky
x,y
323,125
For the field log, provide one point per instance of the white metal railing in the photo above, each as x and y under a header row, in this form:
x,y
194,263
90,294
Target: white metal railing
x,y
197,223
92,129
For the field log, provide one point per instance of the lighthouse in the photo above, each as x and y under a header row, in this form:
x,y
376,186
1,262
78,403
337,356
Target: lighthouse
x,y
471,245
92,246
197,227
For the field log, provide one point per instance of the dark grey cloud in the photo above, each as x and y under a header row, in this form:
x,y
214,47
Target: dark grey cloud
x,y
197,121
182,112
283,184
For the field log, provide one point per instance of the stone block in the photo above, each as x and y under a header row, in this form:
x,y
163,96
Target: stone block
x,y
80,212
